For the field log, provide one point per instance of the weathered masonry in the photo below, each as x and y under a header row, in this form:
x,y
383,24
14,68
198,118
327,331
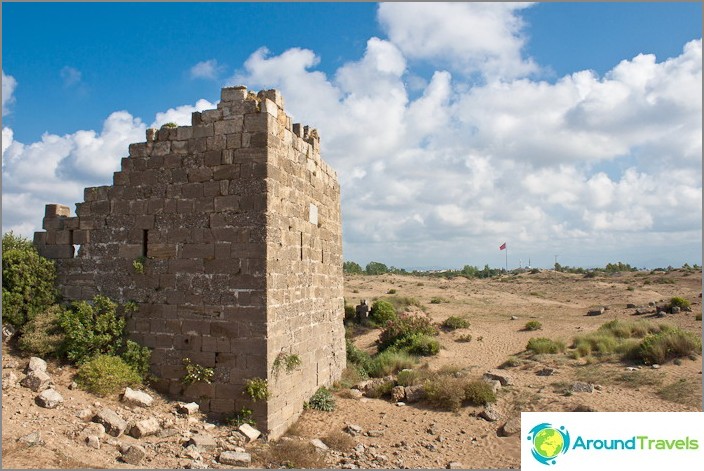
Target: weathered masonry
x,y
227,235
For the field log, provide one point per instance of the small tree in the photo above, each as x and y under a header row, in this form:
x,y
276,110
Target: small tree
x,y
352,268
376,268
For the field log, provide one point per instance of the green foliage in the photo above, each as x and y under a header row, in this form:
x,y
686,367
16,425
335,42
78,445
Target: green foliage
x,y
389,362
455,322
257,389
138,265
618,267
667,345
408,377
43,335
92,329
106,374
464,338
137,357
382,312
359,358
240,417
438,300
401,303
322,400
196,373
533,325
450,392
478,393
418,344
679,302
352,268
545,345
170,125
376,268
288,362
391,291
405,326
27,281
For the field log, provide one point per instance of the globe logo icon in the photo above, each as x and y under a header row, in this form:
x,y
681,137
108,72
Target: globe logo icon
x,y
548,442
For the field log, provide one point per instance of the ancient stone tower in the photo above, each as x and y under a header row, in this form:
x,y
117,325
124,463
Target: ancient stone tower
x,y
227,235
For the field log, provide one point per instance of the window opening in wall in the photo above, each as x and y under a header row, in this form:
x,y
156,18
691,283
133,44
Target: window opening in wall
x,y
145,242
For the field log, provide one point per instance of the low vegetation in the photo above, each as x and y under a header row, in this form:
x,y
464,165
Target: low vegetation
x,y
406,332
339,441
196,373
321,400
290,454
449,392
532,325
668,345
257,389
106,374
455,322
382,312
542,345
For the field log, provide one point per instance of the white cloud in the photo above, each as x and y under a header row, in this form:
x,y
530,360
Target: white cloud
x,y
209,69
70,75
181,115
476,37
8,89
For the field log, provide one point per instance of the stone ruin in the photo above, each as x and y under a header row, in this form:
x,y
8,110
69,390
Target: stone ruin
x,y
227,235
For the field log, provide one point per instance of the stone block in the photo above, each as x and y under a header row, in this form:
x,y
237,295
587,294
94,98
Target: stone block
x,y
144,428
238,93
249,432
134,455
203,441
56,210
203,130
81,237
49,399
137,398
113,423
187,408
35,365
235,458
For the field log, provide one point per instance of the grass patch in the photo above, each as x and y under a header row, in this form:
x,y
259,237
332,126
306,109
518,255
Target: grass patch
x,y
438,300
640,378
668,345
339,441
400,332
616,337
511,362
291,454
532,325
106,374
321,400
402,303
544,345
389,362
455,322
464,338
679,302
450,393
682,391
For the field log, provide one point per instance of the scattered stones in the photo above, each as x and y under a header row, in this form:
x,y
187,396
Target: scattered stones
x,y
11,363
235,458
9,380
31,439
145,427
596,311
192,452
580,386
511,427
500,376
187,408
113,423
414,393
455,465
203,441
490,413
375,433
137,398
675,309
545,372
319,445
93,429
49,399
93,442
495,385
84,414
249,432
36,381
398,393
134,455
36,364
353,430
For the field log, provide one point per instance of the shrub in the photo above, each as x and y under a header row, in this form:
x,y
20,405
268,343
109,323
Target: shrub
x,y
339,441
292,454
357,357
445,392
389,362
630,329
408,377
679,302
322,400
257,389
675,343
478,393
352,375
106,374
27,281
43,335
138,265
92,329
137,357
455,322
533,325
402,303
382,312
288,362
545,345
391,291
419,344
196,373
466,338
403,327
170,125
240,417
438,300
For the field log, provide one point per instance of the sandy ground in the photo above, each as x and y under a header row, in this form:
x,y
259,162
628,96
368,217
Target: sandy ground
x,y
417,436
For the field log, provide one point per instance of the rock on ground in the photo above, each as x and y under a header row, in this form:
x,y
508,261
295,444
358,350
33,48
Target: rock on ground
x,y
49,399
511,427
188,409
134,455
9,380
249,432
490,413
499,376
36,381
582,387
145,427
318,444
137,398
203,441
414,393
113,423
235,458
36,364
93,442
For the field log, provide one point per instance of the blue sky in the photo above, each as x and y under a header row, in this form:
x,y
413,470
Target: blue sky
x,y
549,126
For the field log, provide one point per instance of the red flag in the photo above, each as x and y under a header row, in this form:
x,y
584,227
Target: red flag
x,y
503,246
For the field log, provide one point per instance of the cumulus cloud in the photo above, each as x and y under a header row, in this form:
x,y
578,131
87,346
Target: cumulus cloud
x,y
71,76
8,89
473,38
209,69
181,115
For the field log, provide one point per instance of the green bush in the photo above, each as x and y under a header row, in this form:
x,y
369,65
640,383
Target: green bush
x,y
478,393
322,400
257,389
408,377
170,125
196,373
445,392
679,302
419,344
27,281
533,325
240,417
675,343
357,357
545,345
382,312
137,357
455,322
405,326
92,329
389,362
43,336
106,374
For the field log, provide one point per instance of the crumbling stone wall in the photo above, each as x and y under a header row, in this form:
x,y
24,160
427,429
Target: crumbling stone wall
x,y
236,222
